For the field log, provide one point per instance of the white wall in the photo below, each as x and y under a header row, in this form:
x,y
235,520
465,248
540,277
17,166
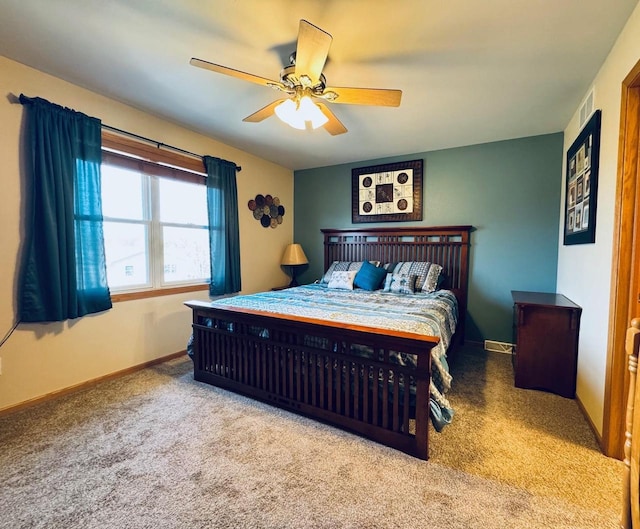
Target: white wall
x,y
584,271
39,359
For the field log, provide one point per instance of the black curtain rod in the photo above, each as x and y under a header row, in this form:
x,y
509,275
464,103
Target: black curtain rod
x,y
24,99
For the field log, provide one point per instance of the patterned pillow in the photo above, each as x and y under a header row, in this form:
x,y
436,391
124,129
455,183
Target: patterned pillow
x,y
427,273
342,279
432,282
343,266
400,283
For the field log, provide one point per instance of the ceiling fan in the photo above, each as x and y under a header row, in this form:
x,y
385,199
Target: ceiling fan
x,y
306,87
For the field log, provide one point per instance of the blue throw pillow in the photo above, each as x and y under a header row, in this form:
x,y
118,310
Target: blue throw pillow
x,y
369,276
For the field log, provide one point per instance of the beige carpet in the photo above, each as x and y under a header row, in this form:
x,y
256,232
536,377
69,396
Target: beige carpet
x,y
158,450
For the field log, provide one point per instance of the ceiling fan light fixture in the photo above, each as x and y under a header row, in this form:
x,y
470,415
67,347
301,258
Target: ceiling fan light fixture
x,y
287,112
311,112
297,114
306,88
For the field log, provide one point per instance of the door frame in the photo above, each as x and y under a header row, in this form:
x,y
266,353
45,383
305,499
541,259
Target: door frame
x,y
623,272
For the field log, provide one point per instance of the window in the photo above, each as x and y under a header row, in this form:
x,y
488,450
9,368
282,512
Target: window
x,y
155,219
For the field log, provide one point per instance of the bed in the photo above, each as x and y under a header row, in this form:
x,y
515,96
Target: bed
x,y
373,362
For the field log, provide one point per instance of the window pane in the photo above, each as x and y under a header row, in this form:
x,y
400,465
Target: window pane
x,y
183,202
186,254
126,253
121,193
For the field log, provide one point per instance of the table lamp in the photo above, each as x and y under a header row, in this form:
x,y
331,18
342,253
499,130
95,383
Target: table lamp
x,y
294,257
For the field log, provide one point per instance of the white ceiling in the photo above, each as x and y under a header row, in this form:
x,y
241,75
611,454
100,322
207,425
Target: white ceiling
x,y
470,71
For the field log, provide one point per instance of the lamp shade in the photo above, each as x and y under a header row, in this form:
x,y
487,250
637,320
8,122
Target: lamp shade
x,y
294,255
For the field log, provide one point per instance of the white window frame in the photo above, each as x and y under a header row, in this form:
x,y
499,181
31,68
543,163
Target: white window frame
x,y
155,163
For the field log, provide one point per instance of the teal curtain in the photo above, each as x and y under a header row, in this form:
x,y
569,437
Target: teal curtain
x,y
224,231
64,269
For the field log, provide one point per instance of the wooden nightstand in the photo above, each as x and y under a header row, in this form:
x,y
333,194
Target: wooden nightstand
x,y
280,288
546,330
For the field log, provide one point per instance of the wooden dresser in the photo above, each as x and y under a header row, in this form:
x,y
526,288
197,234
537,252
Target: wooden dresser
x,y
546,330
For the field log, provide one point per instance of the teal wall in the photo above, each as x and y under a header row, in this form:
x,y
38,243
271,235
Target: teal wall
x,y
509,191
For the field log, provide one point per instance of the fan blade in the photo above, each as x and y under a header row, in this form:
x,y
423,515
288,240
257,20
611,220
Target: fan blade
x,y
311,52
263,113
333,126
363,96
237,73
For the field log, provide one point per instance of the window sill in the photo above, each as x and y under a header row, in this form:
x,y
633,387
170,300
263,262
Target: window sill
x,y
128,296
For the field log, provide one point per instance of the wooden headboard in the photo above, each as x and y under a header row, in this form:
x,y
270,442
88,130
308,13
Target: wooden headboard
x,y
447,246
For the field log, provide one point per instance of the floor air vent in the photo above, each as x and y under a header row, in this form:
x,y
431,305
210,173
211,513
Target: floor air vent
x,y
498,347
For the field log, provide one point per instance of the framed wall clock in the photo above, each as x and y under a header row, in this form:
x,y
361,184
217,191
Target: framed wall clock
x,y
387,193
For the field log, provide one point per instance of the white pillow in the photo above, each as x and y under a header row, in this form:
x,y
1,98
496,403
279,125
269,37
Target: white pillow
x,y
341,266
342,279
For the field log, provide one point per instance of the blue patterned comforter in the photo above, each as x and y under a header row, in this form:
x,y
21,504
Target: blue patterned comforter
x,y
432,314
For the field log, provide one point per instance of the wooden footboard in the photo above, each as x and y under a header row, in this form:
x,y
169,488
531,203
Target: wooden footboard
x,y
344,375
